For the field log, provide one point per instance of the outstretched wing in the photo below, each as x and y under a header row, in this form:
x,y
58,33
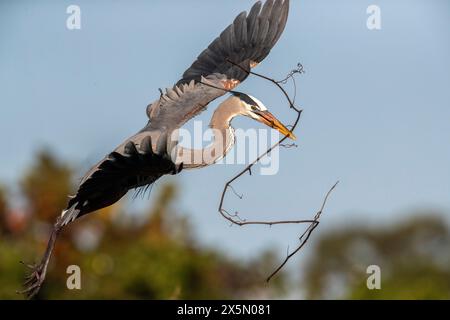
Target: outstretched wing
x,y
136,163
246,42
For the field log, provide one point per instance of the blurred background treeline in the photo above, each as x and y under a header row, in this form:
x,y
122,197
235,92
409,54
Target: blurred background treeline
x,y
155,254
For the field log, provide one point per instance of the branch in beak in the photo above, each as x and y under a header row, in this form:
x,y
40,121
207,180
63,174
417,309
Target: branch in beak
x,y
269,119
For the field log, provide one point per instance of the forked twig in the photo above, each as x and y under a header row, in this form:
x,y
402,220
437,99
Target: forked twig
x,y
305,236
235,218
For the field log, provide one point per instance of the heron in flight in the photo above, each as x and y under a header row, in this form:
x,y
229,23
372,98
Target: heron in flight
x,y
153,152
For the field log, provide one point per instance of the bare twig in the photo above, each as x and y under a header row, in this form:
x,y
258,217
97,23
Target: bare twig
x,y
235,218
288,145
305,236
299,70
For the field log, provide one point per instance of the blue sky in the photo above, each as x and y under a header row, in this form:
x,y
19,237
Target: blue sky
x,y
376,104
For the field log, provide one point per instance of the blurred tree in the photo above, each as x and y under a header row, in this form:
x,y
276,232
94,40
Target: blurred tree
x,y
46,186
414,257
154,254
3,211
158,258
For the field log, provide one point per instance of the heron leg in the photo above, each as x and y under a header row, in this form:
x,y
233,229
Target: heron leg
x,y
36,277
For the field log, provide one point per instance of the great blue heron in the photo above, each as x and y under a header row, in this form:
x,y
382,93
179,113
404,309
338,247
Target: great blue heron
x,y
148,155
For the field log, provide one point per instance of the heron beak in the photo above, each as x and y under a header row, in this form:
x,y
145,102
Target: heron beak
x,y
269,119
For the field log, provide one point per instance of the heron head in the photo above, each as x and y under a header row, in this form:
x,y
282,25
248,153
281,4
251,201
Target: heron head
x,y
255,109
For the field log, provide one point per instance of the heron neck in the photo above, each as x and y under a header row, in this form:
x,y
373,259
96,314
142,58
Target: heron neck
x,y
223,138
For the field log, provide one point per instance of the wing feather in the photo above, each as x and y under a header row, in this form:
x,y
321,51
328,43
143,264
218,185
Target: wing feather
x,y
246,42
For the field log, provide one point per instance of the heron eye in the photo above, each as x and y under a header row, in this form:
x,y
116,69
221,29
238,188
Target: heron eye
x,y
254,108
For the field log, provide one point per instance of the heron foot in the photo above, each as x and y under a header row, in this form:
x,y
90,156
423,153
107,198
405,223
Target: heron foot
x,y
34,280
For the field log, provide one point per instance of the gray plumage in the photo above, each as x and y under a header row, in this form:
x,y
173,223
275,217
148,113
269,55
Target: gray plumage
x,y
246,41
145,157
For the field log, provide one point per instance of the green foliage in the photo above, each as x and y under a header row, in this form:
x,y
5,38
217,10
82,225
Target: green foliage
x,y
154,254
46,186
414,257
3,209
